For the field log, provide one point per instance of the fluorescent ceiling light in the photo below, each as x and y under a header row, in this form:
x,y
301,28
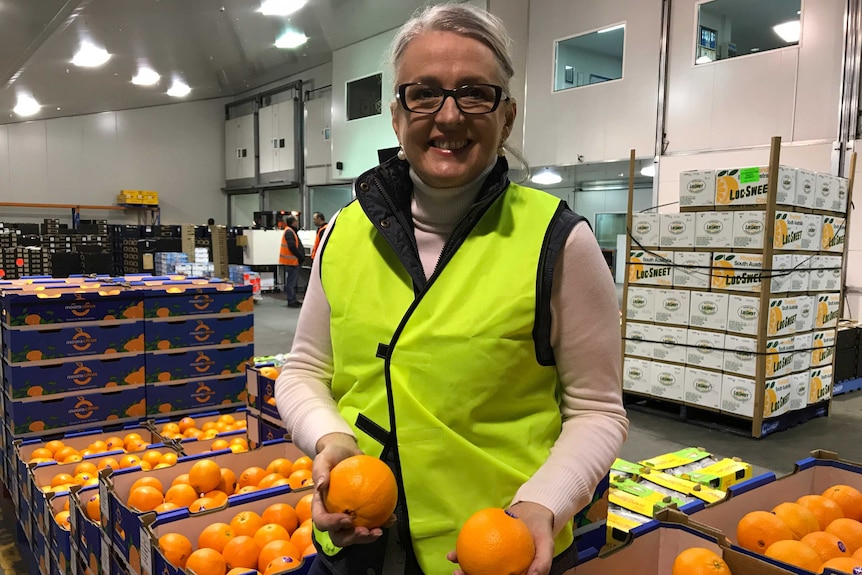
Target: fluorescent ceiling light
x,y
789,31
280,7
648,171
291,39
546,178
612,28
703,60
179,89
146,77
90,56
26,106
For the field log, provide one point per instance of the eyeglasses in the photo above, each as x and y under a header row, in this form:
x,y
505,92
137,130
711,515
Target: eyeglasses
x,y
470,99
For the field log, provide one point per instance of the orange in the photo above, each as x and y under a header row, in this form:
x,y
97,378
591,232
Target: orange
x,y
170,458
246,523
251,476
241,551
364,488
303,507
299,479
215,536
795,553
493,541
226,418
280,465
310,550
166,506
218,445
62,519
145,498
54,445
270,532
181,478
208,425
800,519
220,497
699,561
176,548
186,423
246,489
62,479
203,504
239,441
113,443
270,372
757,530
127,461
65,452
86,467
227,483
243,571
171,428
858,554
825,509
849,499
98,446
83,478
181,494
826,545
268,480
206,562
205,475
277,548
238,448
152,456
92,509
842,564
301,537
43,453
108,462
147,480
281,565
303,462
848,531
281,514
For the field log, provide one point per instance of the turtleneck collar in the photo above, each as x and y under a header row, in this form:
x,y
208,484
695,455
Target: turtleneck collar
x,y
437,210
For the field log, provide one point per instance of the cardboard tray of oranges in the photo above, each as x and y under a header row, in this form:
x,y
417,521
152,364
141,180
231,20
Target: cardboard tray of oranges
x,y
263,428
246,514
798,522
203,425
121,512
57,532
260,384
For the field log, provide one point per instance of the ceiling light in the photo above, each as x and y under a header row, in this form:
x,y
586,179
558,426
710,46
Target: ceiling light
x,y
146,77
789,31
90,56
179,89
291,39
26,106
648,171
280,7
546,178
612,28
755,50
703,60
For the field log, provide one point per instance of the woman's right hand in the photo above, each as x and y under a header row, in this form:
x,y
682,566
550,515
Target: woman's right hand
x,y
331,449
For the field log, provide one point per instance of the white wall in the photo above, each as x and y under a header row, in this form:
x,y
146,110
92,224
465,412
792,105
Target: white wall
x,y
854,248
515,14
588,204
177,150
744,101
603,121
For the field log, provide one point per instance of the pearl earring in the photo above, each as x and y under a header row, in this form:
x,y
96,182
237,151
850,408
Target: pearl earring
x,y
401,155
501,151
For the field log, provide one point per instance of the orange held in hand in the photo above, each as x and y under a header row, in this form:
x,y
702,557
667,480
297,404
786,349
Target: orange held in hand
x,y
493,541
699,561
363,487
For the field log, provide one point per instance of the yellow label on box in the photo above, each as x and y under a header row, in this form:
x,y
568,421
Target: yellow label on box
x,y
722,474
776,396
651,268
622,523
782,316
832,234
823,347
789,227
779,356
820,384
827,310
631,502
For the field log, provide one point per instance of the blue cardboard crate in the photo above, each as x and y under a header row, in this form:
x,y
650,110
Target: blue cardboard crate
x,y
60,542
175,299
41,551
88,533
160,334
72,375
162,366
35,415
70,304
195,394
25,344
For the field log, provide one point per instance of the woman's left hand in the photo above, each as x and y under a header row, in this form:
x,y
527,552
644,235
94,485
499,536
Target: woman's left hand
x,y
540,522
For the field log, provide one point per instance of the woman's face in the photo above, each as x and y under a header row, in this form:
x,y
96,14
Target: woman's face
x,y
449,148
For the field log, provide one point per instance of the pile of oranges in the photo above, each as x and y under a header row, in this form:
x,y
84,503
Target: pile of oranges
x,y
91,509
271,542
815,532
187,427
59,452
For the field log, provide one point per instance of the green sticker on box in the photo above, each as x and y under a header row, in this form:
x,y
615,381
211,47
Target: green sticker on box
x,y
749,175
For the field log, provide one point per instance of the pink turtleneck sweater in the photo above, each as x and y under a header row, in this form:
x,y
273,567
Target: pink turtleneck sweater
x,y
585,335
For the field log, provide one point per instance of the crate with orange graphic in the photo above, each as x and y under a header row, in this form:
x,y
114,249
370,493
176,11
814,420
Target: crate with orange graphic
x,y
261,386
35,415
41,549
749,186
84,515
173,299
263,428
24,344
37,378
178,333
195,394
209,361
832,234
70,303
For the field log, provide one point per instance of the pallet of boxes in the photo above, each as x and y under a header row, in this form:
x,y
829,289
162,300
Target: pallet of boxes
x,y
731,305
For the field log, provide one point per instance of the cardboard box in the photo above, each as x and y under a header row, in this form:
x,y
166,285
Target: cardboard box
x,y
703,388
781,273
651,268
811,232
697,188
672,343
779,357
705,349
820,384
262,428
806,183
691,269
637,375
840,204
640,304
194,394
636,333
799,385
170,333
789,228
677,231
645,230
708,310
832,234
749,186
777,397
51,377
70,304
740,355
806,309
825,191
822,347
198,362
800,278
22,345
748,229
713,230
667,381
176,299
737,272
825,273
826,312
743,314
672,306
783,312
802,344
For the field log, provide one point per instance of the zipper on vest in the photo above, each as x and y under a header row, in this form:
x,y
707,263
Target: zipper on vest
x,y
385,194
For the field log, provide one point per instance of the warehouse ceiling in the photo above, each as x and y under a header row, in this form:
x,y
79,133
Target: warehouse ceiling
x,y
217,47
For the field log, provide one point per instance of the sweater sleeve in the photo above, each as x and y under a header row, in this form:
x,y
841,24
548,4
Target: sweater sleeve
x,y
585,336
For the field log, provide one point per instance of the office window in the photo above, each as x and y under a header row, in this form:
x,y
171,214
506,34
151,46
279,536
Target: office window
x,y
590,58
364,97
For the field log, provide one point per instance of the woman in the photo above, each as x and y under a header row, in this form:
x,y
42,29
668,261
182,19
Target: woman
x,y
460,327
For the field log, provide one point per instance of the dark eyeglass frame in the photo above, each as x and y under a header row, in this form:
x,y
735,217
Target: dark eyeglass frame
x,y
498,97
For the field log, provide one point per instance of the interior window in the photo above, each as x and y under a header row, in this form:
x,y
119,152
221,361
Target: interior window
x,y
590,58
364,97
730,28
